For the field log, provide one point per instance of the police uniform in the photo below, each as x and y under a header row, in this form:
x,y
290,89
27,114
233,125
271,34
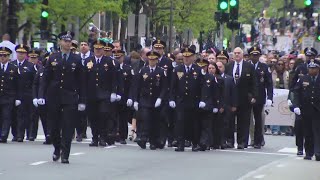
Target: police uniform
x,y
64,89
27,73
185,96
124,90
307,98
38,111
167,113
101,88
265,91
149,91
8,93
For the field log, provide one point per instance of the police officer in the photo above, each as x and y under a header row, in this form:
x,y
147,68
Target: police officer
x,y
151,88
37,111
63,87
101,92
307,103
8,91
108,49
223,57
26,76
125,78
185,96
265,91
167,120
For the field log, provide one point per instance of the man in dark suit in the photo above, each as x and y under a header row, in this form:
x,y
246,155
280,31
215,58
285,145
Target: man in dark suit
x,y
102,86
8,91
244,76
264,96
185,94
63,86
27,73
149,91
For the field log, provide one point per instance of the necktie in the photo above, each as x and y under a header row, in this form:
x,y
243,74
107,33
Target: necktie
x,y
83,56
151,70
19,64
238,70
313,79
2,67
188,69
64,58
98,61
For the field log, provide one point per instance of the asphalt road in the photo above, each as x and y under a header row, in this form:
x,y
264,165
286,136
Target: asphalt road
x,y
277,160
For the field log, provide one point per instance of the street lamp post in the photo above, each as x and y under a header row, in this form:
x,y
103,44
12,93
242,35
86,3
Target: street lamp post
x,y
171,26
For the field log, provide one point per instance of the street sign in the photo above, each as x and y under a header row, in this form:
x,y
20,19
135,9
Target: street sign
x,y
187,36
142,25
28,1
307,42
131,25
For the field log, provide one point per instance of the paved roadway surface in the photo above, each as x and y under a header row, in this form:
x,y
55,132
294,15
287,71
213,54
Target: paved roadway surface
x,y
276,161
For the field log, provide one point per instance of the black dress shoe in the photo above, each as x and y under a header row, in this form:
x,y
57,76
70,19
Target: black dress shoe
x,y
20,140
161,145
175,143
307,158
215,147
317,158
263,143
14,139
202,147
170,144
102,143
240,146
224,146
187,144
64,161
3,140
94,144
142,144
257,146
153,147
56,155
195,148
31,139
79,138
179,149
123,141
229,145
48,141
300,153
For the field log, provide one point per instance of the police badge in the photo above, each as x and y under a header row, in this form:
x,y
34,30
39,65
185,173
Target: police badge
x,y
90,65
106,66
208,82
180,75
145,76
195,75
73,66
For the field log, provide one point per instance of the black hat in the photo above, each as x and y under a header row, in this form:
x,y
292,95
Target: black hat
x,y
186,52
254,51
158,44
118,53
74,44
310,52
22,48
171,57
153,55
5,50
67,35
202,62
34,53
98,44
314,64
222,54
108,47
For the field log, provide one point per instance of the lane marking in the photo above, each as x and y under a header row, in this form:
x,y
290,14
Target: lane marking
x,y
253,152
259,176
38,163
281,165
288,150
109,147
77,154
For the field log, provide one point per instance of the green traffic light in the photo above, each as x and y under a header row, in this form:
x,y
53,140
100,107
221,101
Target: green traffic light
x,y
307,2
233,2
45,14
318,37
223,5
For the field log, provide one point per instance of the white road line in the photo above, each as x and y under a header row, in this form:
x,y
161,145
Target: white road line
x,y
109,147
281,165
38,163
252,152
288,150
259,176
252,173
77,154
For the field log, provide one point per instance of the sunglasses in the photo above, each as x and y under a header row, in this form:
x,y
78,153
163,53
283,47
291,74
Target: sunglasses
x,y
3,55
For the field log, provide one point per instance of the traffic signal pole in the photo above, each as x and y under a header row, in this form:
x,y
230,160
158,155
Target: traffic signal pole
x,y
221,36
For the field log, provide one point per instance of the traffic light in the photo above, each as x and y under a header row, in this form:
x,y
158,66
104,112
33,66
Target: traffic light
x,y
44,14
308,8
223,5
318,33
44,20
234,9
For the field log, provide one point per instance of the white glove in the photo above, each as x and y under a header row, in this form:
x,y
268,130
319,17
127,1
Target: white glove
x,y
215,110
202,104
18,102
172,104
41,101
135,106
81,107
113,97
289,102
118,98
129,102
35,102
297,111
268,103
158,103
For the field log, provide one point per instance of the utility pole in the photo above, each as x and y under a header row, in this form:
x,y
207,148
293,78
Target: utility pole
x,y
221,37
137,24
171,26
12,23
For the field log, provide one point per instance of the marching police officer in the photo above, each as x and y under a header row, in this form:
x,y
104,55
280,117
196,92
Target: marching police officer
x,y
63,87
8,91
307,98
151,88
265,91
101,92
26,76
39,111
185,96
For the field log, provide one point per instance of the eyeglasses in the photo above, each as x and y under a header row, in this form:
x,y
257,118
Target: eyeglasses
x,y
3,55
